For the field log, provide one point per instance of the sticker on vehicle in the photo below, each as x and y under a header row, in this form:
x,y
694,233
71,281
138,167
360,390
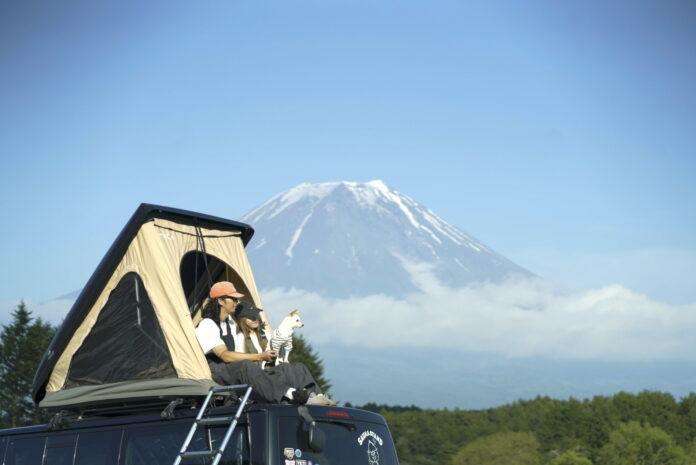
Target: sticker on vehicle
x,y
372,453
369,434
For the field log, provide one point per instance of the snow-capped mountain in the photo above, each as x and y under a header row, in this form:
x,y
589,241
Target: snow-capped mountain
x,y
353,239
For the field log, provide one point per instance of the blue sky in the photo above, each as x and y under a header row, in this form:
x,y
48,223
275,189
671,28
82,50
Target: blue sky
x,y
561,134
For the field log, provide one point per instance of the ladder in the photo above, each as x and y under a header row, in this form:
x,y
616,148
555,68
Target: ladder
x,y
215,454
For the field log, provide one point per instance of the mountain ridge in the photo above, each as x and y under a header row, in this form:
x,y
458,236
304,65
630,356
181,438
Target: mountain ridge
x,y
347,238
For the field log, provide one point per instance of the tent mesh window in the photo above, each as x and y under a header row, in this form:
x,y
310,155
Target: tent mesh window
x,y
199,271
126,342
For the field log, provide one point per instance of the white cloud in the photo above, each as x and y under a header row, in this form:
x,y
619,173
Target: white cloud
x,y
524,317
519,318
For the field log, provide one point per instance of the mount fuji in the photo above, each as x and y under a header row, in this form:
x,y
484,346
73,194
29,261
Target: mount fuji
x,y
346,239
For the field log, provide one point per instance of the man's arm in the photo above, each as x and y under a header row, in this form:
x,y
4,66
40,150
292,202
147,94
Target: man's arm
x,y
231,357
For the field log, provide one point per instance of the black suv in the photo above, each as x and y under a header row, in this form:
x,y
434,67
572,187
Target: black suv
x,y
265,435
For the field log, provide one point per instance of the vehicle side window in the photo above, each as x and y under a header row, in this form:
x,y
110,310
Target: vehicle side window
x,y
152,446
3,442
159,444
100,448
257,437
60,450
27,451
237,451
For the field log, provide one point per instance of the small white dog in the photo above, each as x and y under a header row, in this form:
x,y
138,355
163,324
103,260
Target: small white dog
x,y
281,339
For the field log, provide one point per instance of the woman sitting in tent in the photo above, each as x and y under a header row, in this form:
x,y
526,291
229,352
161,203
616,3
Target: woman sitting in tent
x,y
252,338
232,364
250,335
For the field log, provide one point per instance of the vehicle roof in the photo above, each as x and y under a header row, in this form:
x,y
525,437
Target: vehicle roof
x,y
154,415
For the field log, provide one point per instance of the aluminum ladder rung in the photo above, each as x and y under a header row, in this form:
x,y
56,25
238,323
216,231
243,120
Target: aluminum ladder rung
x,y
216,454
211,421
199,454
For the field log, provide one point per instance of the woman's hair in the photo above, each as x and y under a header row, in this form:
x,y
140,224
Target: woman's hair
x,y
212,310
243,328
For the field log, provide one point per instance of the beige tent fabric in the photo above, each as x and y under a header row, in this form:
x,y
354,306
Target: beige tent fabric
x,y
155,254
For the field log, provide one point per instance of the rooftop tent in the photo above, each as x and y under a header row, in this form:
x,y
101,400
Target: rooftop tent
x,y
130,334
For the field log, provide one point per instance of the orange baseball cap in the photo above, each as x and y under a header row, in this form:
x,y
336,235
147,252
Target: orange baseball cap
x,y
222,289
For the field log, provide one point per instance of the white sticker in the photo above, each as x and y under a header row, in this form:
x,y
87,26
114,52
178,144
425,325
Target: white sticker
x,y
372,453
370,434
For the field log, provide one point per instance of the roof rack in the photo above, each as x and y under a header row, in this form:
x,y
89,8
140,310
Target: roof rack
x,y
122,408
163,404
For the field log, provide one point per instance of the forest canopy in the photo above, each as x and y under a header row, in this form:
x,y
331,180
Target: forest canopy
x,y
647,427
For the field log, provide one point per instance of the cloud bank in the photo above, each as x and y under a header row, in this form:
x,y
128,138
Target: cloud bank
x,y
519,318
528,317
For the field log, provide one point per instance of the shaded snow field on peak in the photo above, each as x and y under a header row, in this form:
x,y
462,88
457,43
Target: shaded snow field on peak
x,y
349,239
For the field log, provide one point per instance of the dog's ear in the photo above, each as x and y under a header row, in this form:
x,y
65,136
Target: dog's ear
x,y
294,312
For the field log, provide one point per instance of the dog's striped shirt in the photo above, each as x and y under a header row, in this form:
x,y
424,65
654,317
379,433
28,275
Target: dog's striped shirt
x,y
283,344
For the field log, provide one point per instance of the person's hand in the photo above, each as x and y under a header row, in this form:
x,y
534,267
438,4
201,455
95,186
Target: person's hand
x,y
268,355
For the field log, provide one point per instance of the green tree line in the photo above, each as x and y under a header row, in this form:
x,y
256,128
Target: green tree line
x,y
645,428
22,344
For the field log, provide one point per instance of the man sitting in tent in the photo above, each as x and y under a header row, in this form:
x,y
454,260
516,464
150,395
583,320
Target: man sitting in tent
x,y
215,333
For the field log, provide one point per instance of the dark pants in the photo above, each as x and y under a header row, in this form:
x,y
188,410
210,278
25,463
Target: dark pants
x,y
296,374
268,385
